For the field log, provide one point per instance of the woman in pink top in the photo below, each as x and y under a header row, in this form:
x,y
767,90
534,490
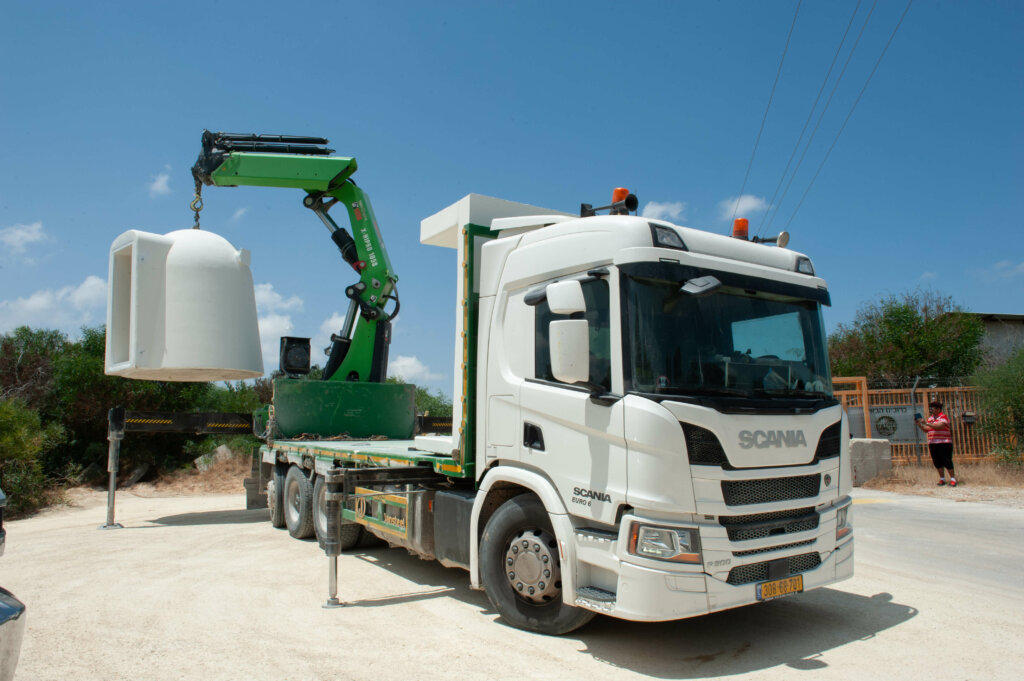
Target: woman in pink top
x,y
940,440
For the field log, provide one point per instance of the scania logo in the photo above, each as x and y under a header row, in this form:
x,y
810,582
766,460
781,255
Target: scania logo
x,y
763,439
590,494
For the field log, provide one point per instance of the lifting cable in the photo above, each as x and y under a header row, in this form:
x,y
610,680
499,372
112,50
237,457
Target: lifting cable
x,y
893,35
769,106
810,114
821,116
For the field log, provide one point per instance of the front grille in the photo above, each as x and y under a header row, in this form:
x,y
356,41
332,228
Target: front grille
x,y
760,525
758,572
766,549
744,492
702,447
828,443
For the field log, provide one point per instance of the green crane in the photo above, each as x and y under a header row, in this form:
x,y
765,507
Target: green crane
x,y
353,400
359,352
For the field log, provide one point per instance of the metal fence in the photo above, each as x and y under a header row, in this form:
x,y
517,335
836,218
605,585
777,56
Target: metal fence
x,y
889,413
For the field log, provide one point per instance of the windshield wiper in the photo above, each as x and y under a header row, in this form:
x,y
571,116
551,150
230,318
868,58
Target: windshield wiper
x,y
793,392
704,391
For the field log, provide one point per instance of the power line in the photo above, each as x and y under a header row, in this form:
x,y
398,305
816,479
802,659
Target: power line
x,y
810,114
821,116
870,76
769,106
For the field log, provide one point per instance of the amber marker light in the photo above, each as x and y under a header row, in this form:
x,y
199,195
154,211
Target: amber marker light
x,y
619,194
739,228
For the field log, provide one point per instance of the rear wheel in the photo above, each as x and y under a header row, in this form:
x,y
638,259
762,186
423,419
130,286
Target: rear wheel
x,y
350,532
275,496
298,503
521,571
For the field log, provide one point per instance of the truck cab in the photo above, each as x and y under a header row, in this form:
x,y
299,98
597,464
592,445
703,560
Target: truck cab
x,y
665,393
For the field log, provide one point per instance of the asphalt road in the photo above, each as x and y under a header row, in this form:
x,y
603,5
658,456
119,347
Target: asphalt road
x,y
194,588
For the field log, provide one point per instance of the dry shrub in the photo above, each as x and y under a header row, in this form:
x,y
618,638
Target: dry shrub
x,y
983,473
223,477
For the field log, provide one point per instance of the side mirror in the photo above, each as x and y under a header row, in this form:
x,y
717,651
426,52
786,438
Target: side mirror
x,y
570,350
566,297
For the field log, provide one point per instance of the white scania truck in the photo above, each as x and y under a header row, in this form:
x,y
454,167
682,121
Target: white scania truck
x,y
643,425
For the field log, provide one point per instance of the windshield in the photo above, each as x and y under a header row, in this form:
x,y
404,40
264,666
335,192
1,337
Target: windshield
x,y
735,341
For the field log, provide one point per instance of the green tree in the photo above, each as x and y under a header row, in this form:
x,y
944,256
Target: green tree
x,y
921,333
1002,399
26,365
84,394
22,440
435,403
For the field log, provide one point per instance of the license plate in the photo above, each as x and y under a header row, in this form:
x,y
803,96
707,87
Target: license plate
x,y
778,588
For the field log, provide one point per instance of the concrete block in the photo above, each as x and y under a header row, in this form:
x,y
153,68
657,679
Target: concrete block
x,y
870,458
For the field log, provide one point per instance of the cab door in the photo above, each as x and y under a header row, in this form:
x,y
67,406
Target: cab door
x,y
575,434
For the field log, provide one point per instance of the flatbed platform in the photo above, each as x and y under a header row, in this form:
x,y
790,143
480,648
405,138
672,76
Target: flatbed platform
x,y
362,453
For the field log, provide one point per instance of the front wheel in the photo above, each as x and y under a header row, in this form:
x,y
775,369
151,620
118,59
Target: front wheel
x,y
521,571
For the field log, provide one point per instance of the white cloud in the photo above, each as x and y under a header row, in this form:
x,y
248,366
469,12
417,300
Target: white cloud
x,y
237,215
66,309
672,210
17,237
272,327
1004,269
411,369
161,185
928,276
272,309
269,300
322,339
741,206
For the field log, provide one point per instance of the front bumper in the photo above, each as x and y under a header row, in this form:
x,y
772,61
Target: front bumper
x,y
615,582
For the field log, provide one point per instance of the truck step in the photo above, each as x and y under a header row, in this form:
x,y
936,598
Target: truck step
x,y
596,599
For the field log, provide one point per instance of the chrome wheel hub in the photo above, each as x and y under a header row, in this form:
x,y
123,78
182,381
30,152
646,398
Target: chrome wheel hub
x,y
531,566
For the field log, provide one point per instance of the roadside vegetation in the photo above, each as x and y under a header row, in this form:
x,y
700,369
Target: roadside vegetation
x,y
54,398
919,333
1003,402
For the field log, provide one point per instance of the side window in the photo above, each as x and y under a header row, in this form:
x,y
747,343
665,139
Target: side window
x,y
595,293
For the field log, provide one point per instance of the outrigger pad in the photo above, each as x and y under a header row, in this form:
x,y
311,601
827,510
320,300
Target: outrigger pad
x,y
333,408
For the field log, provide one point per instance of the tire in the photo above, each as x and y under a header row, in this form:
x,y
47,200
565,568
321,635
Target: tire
x,y
275,496
509,569
298,503
350,532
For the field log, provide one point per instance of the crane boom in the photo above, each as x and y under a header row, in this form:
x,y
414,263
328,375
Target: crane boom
x,y
359,352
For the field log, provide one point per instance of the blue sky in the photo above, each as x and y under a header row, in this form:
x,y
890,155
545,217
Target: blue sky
x,y
102,106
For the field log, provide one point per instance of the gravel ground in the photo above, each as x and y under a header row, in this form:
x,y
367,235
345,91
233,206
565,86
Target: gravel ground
x,y
1002,496
195,588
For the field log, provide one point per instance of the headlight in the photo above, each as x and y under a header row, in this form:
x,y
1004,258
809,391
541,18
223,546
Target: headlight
x,y
665,543
843,522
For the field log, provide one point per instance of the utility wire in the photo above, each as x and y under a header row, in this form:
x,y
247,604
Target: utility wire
x,y
810,115
893,35
821,116
769,106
